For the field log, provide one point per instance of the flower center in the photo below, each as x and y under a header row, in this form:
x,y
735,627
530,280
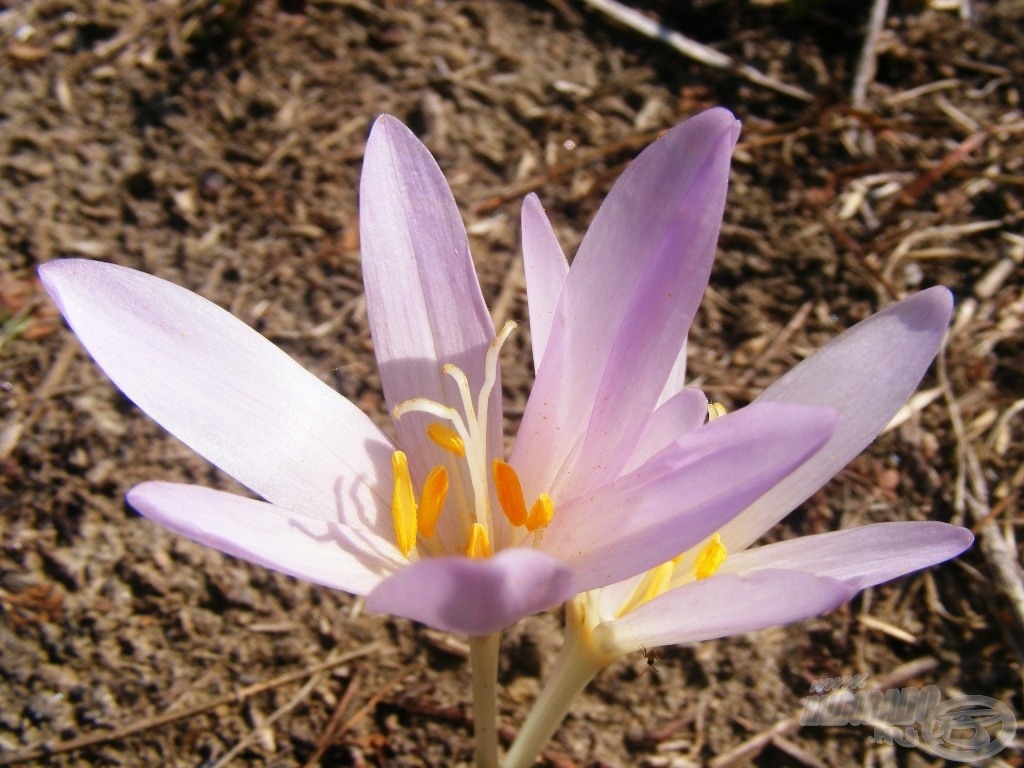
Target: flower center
x,y
465,437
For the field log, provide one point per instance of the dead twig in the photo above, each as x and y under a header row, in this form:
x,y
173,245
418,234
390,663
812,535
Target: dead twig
x,y
638,141
778,344
280,712
691,48
940,233
869,54
331,730
12,431
374,700
797,752
511,286
972,495
92,740
581,160
753,746
913,191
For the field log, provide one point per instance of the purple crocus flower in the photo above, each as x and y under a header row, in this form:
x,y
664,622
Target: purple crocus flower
x,y
720,587
866,373
434,524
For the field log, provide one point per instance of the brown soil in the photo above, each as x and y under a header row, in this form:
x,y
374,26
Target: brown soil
x,y
218,145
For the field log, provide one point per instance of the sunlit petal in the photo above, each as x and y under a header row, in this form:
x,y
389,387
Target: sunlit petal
x,y
222,389
867,374
545,267
685,493
725,605
862,556
683,412
639,274
301,545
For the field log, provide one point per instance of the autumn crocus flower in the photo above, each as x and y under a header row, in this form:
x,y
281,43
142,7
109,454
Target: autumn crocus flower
x,y
434,524
721,587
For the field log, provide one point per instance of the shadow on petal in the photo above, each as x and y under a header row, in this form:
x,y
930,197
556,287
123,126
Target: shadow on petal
x,y
474,596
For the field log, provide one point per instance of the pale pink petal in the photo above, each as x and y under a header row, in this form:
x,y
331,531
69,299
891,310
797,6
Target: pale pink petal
x,y
861,557
301,545
227,392
545,267
684,494
684,411
474,596
612,598
625,308
866,373
723,605
422,296
676,377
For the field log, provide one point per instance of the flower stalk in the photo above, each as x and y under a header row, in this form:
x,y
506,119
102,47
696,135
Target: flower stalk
x,y
483,660
578,662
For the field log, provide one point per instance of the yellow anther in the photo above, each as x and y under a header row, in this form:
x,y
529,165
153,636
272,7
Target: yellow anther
x,y
716,411
655,582
710,558
660,579
403,504
432,500
447,438
510,492
540,513
479,542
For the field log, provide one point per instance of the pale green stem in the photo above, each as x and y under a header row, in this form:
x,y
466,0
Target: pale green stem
x,y
575,667
483,659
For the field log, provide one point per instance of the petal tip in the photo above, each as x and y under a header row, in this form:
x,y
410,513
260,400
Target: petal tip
x,y
60,278
386,130
716,120
52,272
48,276
929,310
941,298
961,538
